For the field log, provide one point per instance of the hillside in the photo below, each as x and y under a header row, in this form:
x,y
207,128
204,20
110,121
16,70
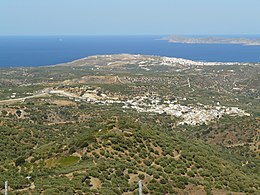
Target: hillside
x,y
102,123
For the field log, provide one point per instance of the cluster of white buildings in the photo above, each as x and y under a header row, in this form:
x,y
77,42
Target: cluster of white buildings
x,y
145,61
184,62
187,114
190,115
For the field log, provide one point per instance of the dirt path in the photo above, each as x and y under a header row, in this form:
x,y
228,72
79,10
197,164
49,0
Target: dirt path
x,y
31,187
11,101
42,94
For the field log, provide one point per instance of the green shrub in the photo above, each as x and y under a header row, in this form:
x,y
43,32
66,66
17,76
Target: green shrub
x,y
141,176
19,161
163,181
148,162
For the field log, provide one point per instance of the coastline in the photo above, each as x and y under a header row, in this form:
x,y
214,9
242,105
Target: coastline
x,y
212,40
45,51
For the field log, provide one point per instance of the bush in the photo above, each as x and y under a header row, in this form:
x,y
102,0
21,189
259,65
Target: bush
x,y
94,173
156,175
72,150
163,181
168,169
191,173
141,176
148,162
119,172
19,161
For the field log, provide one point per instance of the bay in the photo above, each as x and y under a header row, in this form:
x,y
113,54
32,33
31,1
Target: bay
x,y
48,50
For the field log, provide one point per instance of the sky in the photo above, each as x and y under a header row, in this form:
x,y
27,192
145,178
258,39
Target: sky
x,y
129,17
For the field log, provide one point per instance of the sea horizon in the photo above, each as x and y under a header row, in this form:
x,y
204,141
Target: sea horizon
x,y
45,50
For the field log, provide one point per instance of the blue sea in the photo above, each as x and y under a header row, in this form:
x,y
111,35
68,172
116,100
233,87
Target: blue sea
x,y
47,50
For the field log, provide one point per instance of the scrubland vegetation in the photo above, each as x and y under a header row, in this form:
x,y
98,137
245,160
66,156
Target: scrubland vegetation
x,y
68,145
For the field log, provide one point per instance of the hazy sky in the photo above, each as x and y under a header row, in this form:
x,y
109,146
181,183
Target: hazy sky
x,y
129,17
